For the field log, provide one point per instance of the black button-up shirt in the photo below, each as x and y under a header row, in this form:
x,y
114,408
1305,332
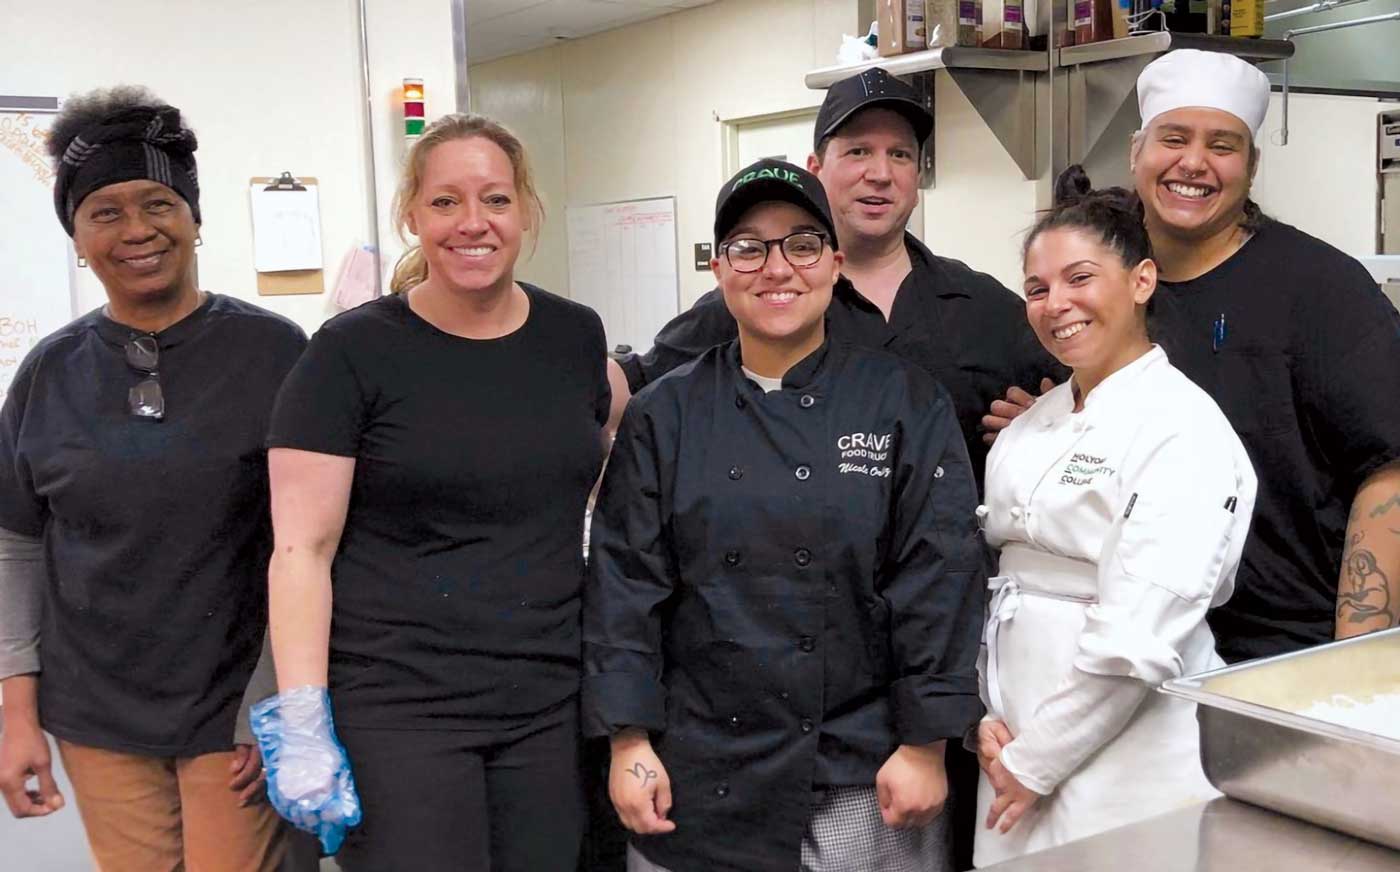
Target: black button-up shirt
x,y
778,631
961,326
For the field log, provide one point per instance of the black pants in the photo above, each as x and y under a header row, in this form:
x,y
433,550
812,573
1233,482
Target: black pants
x,y
962,802
605,842
467,802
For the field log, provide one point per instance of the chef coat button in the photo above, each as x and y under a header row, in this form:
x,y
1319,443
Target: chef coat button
x,y
734,721
1015,511
736,472
740,402
722,789
807,401
802,557
803,472
731,558
807,725
807,643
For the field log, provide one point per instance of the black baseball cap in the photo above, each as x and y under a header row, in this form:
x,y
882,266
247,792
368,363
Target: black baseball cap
x,y
771,179
874,87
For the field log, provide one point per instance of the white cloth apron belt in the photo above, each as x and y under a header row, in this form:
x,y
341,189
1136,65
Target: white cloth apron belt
x,y
1027,571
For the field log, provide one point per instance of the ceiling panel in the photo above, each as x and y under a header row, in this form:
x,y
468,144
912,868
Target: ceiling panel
x,y
498,28
484,10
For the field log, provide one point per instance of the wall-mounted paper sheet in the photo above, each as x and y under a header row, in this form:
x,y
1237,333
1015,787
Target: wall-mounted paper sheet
x,y
286,229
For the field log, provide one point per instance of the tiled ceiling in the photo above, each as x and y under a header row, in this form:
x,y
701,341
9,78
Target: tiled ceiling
x,y
497,28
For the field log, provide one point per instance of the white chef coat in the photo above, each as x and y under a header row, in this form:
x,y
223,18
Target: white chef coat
x,y
1119,526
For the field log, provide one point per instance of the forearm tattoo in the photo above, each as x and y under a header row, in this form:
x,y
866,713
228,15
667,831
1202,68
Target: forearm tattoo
x,y
1365,592
642,773
1385,507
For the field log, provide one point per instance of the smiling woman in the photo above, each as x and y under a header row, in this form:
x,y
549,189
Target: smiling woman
x,y
432,453
131,443
1119,502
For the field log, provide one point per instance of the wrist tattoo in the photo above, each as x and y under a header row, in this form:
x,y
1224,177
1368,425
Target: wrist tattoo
x,y
642,773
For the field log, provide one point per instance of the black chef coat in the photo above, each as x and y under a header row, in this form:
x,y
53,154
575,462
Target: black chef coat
x,y
961,326
1308,373
783,588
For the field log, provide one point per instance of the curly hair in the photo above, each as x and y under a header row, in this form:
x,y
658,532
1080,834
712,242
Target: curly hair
x,y
1113,214
82,111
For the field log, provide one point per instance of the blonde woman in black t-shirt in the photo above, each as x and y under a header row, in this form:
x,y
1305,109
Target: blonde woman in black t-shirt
x,y
431,457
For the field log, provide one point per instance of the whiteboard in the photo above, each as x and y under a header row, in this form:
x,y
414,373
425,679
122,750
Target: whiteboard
x,y
622,263
36,253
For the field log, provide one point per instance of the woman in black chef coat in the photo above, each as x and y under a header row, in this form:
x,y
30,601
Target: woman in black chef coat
x,y
782,613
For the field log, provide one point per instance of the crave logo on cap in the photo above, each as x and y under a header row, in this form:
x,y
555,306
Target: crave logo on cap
x,y
778,173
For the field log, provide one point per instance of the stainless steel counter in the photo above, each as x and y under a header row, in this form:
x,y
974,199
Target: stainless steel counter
x,y
1219,836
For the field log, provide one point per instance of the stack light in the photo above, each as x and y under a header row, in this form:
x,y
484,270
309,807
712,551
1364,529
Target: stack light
x,y
414,119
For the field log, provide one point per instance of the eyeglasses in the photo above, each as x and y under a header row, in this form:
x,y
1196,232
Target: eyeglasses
x,y
146,399
802,249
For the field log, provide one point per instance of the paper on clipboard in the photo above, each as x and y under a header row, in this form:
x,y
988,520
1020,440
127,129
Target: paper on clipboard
x,y
286,229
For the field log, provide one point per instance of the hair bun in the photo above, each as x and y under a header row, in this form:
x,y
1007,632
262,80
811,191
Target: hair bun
x,y
1072,186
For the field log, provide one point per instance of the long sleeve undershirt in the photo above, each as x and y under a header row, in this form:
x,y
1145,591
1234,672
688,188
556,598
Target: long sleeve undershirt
x,y
21,602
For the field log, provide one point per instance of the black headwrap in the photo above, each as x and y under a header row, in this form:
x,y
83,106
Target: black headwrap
x,y
137,143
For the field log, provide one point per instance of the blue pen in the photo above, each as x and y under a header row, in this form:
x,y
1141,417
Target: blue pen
x,y
1217,338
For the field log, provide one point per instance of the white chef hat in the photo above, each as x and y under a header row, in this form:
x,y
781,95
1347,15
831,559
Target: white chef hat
x,y
1208,79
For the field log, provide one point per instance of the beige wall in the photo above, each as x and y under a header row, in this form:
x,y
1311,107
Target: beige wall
x,y
267,86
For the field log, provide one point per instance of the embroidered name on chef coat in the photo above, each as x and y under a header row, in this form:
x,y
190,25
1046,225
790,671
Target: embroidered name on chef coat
x,y
1083,468
865,454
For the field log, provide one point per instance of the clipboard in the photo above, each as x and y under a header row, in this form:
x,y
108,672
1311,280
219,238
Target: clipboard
x,y
286,282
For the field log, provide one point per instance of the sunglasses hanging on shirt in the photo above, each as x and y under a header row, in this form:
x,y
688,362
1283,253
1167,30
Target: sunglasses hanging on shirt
x,y
145,399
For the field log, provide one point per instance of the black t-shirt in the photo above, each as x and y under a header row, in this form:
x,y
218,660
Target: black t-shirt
x,y
456,584
1308,373
961,326
156,533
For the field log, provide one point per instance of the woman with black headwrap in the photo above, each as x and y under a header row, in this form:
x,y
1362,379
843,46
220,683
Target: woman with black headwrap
x,y
134,527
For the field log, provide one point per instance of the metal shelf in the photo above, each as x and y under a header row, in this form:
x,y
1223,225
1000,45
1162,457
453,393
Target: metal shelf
x,y
1048,118
1255,50
949,58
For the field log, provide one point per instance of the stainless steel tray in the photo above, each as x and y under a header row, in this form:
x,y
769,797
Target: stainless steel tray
x,y
1255,746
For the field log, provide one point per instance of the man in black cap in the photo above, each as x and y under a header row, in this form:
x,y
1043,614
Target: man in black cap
x,y
962,326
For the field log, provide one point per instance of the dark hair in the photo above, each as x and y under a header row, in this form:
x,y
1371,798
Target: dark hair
x,y
1115,214
1254,217
83,111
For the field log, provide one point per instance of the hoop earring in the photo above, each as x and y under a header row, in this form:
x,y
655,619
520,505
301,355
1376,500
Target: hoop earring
x,y
82,263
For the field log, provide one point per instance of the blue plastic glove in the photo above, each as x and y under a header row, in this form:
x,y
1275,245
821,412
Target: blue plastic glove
x,y
308,774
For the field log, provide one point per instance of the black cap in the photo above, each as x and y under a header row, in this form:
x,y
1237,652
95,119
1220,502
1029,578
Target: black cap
x,y
771,179
874,87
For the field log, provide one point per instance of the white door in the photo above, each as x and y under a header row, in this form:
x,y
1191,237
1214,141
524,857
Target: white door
x,y
785,137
